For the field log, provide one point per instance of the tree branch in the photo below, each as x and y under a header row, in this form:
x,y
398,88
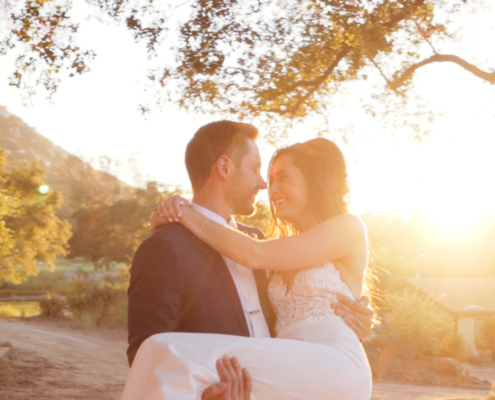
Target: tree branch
x,y
426,38
316,84
380,70
400,79
343,53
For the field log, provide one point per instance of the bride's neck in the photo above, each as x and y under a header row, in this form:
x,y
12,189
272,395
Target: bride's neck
x,y
306,224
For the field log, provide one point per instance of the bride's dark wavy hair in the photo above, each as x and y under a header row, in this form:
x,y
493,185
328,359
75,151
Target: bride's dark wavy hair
x,y
324,169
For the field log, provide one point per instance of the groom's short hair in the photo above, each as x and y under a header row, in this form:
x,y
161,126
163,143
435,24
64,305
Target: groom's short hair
x,y
212,141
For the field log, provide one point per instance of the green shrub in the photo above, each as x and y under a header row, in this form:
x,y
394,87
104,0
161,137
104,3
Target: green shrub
x,y
52,305
421,323
44,282
486,340
118,313
81,274
7,285
93,300
455,347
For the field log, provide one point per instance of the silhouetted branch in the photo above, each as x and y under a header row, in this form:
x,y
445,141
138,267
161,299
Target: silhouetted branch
x,y
401,78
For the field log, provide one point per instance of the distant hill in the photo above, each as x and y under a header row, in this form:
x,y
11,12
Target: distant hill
x,y
22,142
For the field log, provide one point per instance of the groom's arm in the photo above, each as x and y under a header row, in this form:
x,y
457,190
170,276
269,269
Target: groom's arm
x,y
155,292
358,315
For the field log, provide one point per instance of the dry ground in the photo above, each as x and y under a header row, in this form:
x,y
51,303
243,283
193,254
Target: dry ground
x,y
394,391
50,361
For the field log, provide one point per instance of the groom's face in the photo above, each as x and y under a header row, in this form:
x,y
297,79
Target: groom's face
x,y
246,182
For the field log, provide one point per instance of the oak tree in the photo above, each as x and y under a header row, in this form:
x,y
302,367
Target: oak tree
x,y
30,230
250,58
106,232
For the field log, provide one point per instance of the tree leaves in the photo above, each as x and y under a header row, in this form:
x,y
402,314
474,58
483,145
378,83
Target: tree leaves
x,y
41,33
30,231
252,58
110,231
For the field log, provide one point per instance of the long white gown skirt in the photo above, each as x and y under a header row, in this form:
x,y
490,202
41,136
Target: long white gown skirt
x,y
309,360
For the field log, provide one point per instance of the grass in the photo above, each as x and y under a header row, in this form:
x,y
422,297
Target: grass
x,y
19,309
64,265
48,281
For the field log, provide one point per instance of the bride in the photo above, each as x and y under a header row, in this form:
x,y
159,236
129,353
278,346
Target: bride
x,y
316,252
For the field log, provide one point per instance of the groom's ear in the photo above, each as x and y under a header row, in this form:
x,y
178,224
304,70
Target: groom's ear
x,y
224,166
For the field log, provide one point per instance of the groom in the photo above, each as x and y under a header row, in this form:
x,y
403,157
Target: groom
x,y
179,283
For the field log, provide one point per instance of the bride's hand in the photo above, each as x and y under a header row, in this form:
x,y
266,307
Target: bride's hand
x,y
168,211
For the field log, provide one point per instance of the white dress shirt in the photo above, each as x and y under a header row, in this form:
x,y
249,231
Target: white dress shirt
x,y
244,282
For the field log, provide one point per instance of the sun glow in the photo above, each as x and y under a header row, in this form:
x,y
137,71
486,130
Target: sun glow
x,y
449,178
453,218
458,172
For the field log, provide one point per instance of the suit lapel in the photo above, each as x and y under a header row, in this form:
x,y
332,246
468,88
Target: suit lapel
x,y
216,261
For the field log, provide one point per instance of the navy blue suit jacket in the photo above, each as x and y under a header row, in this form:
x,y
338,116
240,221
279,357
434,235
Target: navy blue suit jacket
x,y
180,284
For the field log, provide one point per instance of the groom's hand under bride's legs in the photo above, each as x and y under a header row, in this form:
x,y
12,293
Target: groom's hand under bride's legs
x,y
235,382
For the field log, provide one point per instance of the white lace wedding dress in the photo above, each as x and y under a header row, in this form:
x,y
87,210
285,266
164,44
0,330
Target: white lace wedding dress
x,y
315,355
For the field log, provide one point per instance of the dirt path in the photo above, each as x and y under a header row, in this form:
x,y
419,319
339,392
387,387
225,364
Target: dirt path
x,y
52,362
394,391
49,361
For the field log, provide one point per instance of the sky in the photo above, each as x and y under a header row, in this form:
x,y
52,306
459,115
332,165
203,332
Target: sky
x,y
448,174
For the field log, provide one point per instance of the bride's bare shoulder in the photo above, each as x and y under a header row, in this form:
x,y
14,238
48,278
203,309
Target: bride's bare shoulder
x,y
346,222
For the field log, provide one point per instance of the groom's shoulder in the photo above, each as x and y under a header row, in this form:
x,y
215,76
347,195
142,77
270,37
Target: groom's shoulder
x,y
251,230
168,236
171,233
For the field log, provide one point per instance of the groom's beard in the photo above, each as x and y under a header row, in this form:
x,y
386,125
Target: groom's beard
x,y
241,198
243,205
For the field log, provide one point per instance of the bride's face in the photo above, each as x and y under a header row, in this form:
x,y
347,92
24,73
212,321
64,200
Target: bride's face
x,y
289,192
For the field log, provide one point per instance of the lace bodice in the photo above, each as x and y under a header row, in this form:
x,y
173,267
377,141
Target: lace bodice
x,y
310,297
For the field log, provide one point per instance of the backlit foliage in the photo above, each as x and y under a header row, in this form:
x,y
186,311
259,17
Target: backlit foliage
x,y
270,59
30,231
